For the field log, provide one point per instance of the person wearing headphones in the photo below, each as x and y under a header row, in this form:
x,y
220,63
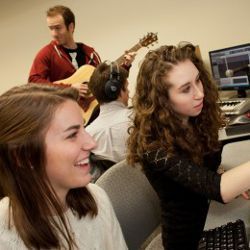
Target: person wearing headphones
x,y
109,85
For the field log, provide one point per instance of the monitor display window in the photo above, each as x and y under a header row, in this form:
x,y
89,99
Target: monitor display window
x,y
230,67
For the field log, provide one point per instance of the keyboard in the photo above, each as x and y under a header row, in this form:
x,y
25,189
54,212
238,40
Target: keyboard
x,y
235,106
231,236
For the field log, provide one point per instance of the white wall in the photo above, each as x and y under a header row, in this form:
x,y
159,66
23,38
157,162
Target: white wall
x,y
113,26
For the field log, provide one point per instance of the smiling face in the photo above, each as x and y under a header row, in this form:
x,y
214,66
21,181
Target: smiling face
x,y
68,147
60,33
186,90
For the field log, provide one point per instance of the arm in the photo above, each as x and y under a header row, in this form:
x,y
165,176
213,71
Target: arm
x,y
235,181
39,72
51,66
185,173
222,188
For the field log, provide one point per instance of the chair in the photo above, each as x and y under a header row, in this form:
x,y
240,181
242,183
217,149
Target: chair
x,y
134,201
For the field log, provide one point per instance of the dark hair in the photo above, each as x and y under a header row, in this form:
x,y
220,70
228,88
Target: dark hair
x,y
65,12
100,77
26,113
1,192
59,90
155,124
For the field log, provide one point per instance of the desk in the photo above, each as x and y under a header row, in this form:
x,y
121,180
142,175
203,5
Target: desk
x,y
219,214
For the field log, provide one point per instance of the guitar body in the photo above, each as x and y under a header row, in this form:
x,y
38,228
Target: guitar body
x,y
89,112
84,73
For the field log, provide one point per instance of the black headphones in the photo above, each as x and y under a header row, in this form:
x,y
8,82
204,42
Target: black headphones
x,y
113,85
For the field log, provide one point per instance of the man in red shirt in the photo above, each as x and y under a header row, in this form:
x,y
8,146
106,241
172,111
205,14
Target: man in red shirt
x,y
61,58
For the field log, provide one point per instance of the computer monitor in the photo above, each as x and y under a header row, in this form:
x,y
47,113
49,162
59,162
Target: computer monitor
x,y
231,68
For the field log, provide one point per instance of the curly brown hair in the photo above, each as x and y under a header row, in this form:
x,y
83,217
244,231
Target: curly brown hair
x,y
155,124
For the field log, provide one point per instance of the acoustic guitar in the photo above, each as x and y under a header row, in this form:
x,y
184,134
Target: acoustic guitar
x,y
84,73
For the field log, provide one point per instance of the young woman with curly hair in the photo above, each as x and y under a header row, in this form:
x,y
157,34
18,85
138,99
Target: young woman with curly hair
x,y
175,138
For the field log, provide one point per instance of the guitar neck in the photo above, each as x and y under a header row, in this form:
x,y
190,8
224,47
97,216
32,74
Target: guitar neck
x,y
135,48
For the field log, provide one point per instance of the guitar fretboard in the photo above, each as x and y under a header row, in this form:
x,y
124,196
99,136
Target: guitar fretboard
x,y
133,49
144,42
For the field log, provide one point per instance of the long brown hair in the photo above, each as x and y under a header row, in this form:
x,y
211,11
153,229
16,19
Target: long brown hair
x,y
25,114
155,124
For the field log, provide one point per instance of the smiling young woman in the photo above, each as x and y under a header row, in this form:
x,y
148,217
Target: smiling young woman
x,y
45,176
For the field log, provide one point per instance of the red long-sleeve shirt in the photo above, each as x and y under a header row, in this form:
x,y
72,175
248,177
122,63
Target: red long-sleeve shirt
x,y
52,63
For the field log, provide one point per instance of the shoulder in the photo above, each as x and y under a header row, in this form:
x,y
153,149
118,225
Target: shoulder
x,y
86,47
46,50
9,238
105,209
126,112
4,205
104,205
122,121
98,193
155,155
158,159
102,231
107,122
49,46
91,53
4,216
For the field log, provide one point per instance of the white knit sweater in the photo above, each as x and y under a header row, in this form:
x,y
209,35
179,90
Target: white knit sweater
x,y
102,232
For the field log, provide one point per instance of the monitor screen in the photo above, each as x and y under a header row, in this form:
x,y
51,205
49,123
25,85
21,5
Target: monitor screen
x,y
230,67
